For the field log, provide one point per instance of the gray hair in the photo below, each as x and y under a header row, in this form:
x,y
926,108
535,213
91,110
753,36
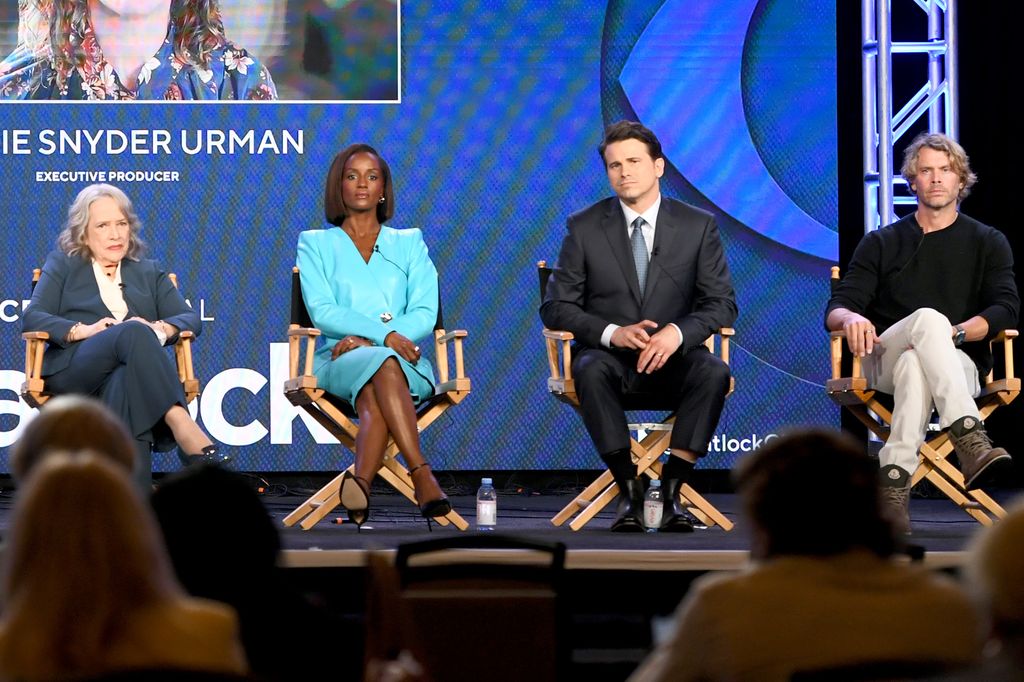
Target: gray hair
x,y
72,238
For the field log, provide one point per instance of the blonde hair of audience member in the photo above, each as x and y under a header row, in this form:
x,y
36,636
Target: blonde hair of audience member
x,y
995,571
84,556
72,422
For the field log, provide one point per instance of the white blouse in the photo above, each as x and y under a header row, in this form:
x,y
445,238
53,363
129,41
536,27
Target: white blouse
x,y
112,294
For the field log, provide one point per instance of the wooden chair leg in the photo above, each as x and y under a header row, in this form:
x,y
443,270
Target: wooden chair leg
x,y
583,499
318,505
592,510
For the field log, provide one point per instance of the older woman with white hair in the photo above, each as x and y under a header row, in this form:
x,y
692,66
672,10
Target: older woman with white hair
x,y
109,313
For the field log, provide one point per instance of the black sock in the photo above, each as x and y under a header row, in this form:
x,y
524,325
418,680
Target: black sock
x,y
620,464
676,467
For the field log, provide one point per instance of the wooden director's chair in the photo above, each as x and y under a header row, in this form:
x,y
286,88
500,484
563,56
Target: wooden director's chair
x,y
337,415
33,390
645,452
851,391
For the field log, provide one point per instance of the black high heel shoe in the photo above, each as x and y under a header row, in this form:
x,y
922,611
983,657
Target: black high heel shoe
x,y
355,497
211,455
431,509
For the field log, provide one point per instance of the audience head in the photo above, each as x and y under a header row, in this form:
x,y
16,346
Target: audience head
x,y
221,540
995,570
335,207
813,493
83,553
72,423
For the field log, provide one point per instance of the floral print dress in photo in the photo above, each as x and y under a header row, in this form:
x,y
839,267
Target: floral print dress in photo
x,y
233,74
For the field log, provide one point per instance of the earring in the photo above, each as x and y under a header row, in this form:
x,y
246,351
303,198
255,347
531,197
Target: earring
x,y
381,201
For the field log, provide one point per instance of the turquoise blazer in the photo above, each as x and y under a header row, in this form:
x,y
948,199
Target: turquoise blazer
x,y
396,291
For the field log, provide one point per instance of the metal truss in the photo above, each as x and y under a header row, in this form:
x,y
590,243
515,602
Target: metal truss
x,y
937,98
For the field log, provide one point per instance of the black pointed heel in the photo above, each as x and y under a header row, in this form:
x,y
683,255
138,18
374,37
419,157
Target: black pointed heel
x,y
355,497
432,508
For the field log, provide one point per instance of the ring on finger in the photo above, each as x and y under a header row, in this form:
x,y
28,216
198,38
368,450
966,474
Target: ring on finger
x,y
416,348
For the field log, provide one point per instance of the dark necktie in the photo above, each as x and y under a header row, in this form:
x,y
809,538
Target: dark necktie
x,y
639,252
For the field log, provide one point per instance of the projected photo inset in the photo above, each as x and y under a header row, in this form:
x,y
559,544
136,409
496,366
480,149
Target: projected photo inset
x,y
121,50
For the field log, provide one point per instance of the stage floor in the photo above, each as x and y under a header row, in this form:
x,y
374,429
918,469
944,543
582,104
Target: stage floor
x,y
938,526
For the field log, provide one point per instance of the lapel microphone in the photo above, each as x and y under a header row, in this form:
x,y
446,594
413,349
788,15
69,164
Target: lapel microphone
x,y
376,250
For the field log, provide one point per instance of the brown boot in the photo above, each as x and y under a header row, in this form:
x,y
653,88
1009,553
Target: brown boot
x,y
980,463
895,498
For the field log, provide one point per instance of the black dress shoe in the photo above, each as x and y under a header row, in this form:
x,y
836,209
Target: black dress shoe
x,y
674,517
629,514
211,455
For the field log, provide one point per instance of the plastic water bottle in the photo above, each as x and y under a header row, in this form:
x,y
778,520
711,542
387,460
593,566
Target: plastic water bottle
x,y
653,507
486,506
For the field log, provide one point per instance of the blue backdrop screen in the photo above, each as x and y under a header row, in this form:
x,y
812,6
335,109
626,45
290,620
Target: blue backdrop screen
x,y
492,143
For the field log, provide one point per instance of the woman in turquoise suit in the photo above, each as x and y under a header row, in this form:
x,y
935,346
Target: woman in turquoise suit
x,y
372,290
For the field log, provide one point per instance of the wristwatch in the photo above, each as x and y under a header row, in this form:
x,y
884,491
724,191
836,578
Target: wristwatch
x,y
960,336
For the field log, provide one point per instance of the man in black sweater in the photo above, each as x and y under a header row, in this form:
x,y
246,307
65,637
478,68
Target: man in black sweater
x,y
919,302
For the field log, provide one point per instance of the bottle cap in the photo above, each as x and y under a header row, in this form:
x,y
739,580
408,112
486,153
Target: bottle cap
x,y
486,481
655,483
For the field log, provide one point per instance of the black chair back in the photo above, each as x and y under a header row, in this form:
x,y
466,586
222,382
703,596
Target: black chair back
x,y
543,274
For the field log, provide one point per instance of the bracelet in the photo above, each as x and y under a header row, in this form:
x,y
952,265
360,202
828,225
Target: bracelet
x,y
69,337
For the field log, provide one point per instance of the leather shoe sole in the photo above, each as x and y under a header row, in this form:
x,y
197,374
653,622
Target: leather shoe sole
x,y
676,524
627,524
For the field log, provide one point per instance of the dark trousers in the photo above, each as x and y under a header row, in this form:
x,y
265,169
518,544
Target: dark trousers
x,y
130,372
692,386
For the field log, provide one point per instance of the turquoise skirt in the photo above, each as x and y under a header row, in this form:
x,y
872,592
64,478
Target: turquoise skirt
x,y
347,375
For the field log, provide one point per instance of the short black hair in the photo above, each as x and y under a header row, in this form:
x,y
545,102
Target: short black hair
x,y
631,130
815,493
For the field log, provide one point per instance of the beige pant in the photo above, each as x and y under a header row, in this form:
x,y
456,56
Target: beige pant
x,y
918,363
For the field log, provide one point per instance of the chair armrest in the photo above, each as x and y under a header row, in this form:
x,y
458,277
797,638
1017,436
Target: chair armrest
x,y
557,335
1005,337
303,331
556,343
838,348
725,333
448,336
33,389
295,336
186,371
442,340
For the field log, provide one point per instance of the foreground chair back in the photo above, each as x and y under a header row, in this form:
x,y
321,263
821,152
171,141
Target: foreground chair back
x,y
339,418
849,389
507,587
33,390
646,451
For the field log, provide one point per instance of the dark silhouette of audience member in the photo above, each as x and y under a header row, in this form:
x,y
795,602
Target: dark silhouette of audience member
x,y
71,423
224,546
87,586
995,573
823,592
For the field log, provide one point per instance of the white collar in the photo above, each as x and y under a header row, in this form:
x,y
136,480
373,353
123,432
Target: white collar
x,y
650,216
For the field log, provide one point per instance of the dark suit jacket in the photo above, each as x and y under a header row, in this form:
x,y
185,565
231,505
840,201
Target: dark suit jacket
x,y
67,293
595,282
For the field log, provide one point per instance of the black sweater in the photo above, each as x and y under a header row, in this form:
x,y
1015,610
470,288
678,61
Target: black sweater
x,y
961,271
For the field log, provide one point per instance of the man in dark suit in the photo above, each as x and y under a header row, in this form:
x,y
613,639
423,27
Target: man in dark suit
x,y
641,282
